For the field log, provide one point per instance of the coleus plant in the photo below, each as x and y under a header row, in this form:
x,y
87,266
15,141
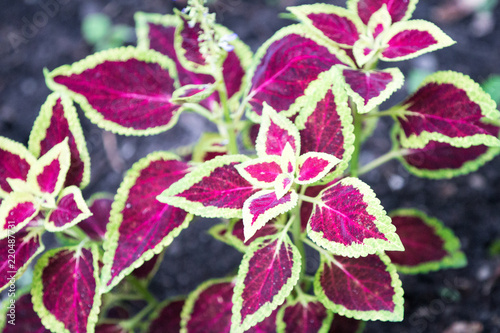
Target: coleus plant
x,y
305,102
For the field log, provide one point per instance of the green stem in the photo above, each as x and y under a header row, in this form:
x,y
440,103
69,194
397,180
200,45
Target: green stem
x,y
131,323
196,108
143,291
232,145
297,234
383,159
357,141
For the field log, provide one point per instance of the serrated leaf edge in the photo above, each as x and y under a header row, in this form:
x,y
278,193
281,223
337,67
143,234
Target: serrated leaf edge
x,y
296,29
187,310
455,257
395,84
112,235
442,39
369,245
301,12
476,94
203,170
42,123
445,173
118,54
382,315
80,203
264,311
328,81
48,319
281,325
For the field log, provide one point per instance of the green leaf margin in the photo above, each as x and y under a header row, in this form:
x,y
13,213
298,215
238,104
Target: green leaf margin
x,y
112,235
319,88
48,319
118,54
370,245
18,149
201,171
442,39
455,257
476,94
187,310
304,298
242,50
395,84
301,12
22,269
42,123
447,173
264,311
382,315
81,205
301,101
159,308
353,6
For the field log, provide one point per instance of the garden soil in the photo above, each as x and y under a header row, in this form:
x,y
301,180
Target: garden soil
x,y
46,34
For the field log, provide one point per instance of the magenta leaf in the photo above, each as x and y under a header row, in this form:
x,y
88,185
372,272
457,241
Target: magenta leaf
x,y
346,324
20,316
365,288
325,122
18,252
261,172
70,210
405,40
15,162
348,220
149,268
448,107
263,206
306,208
369,89
399,10
336,23
167,318
208,308
157,32
304,315
140,226
441,160
130,91
57,120
213,189
237,238
429,245
314,166
16,212
100,207
48,174
65,289
267,325
268,272
187,46
275,132
284,58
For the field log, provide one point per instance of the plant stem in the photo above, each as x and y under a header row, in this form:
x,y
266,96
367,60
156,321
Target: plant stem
x,y
146,294
232,146
297,239
131,323
383,159
357,140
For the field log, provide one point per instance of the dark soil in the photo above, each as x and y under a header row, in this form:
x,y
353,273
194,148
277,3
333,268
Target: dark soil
x,y
31,40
